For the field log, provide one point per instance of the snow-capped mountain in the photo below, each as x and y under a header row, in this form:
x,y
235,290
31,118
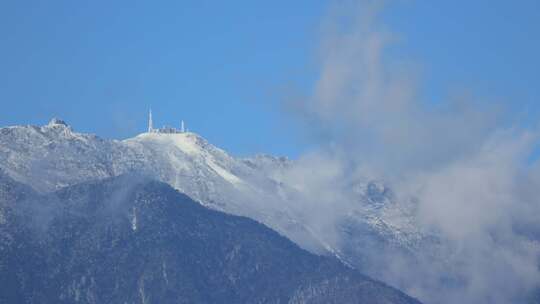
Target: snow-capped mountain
x,y
362,222
54,156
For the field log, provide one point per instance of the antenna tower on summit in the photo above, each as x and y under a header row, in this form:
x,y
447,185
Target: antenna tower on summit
x,y
164,130
150,123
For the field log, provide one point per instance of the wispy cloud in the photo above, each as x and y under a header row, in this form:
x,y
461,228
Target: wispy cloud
x,y
465,165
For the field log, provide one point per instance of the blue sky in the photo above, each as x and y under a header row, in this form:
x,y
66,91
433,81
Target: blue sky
x,y
224,66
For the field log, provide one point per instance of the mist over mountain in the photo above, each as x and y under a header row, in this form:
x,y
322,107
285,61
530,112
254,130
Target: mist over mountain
x,y
422,175
129,239
258,187
364,223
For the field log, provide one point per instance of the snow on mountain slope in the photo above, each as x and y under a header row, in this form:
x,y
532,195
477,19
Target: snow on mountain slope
x,y
189,163
158,246
54,156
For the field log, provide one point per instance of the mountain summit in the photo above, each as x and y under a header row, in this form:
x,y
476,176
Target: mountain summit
x,y
56,122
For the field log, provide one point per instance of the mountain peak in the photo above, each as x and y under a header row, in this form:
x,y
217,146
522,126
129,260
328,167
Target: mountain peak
x,y
57,122
189,142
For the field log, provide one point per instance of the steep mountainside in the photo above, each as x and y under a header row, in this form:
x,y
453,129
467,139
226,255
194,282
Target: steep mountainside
x,y
51,157
183,160
251,187
132,240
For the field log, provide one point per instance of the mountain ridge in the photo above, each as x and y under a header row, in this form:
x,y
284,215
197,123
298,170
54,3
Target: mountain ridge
x,y
55,156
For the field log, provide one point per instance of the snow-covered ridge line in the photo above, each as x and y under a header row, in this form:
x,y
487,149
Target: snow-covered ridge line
x,y
54,156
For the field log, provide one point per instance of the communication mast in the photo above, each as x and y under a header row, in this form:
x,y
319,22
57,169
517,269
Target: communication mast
x,y
150,123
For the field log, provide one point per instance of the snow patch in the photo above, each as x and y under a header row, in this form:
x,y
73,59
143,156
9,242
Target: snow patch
x,y
134,219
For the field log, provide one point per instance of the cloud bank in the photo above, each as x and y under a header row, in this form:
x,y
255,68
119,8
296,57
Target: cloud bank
x,y
465,167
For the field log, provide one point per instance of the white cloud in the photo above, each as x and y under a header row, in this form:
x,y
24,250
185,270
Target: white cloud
x,y
469,173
